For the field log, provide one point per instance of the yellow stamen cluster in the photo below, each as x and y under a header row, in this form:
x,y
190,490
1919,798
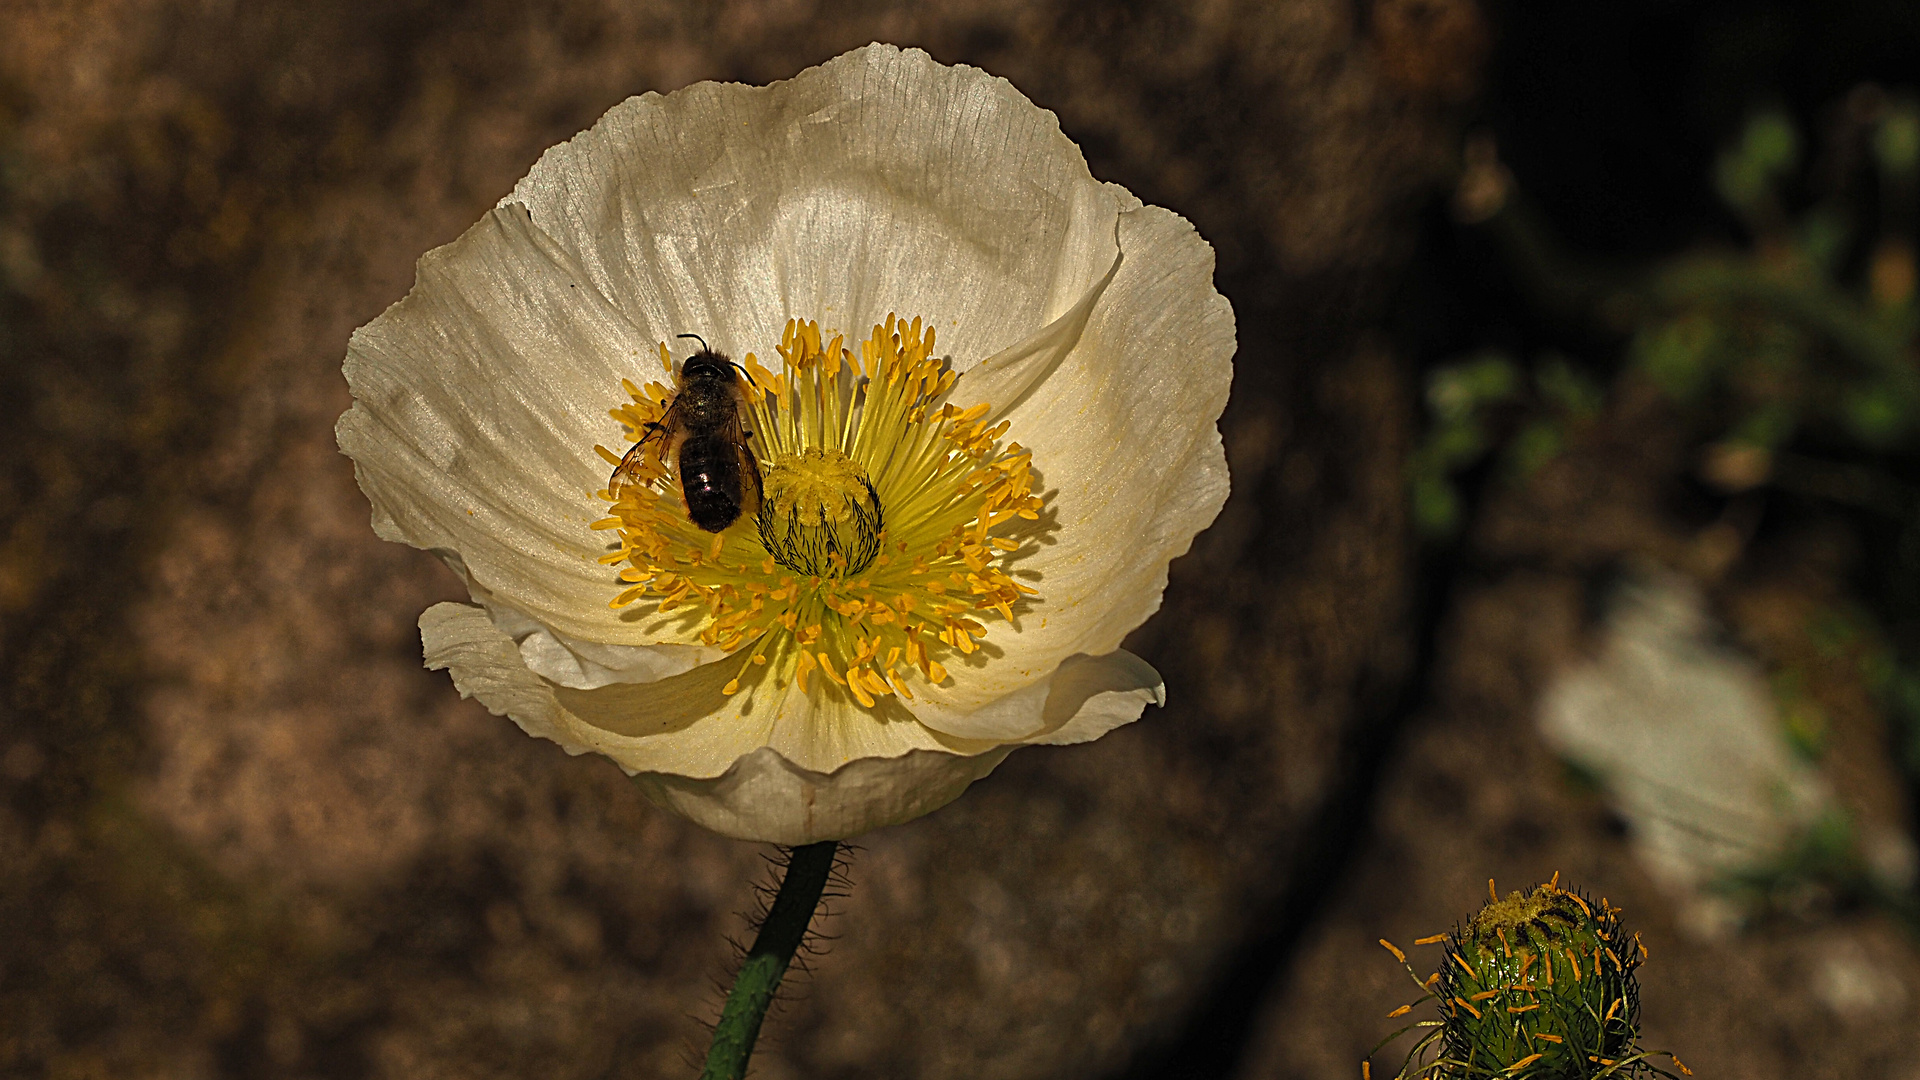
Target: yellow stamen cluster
x,y
874,439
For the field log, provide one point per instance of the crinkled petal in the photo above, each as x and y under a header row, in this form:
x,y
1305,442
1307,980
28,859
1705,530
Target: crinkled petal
x,y
1125,439
766,797
470,432
843,194
684,723
878,182
1004,379
1105,696
1041,709
695,753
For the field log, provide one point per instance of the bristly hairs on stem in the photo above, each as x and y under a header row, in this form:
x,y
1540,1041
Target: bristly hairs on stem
x,y
816,941
783,928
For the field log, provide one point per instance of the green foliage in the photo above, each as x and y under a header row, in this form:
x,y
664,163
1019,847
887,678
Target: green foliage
x,y
1793,362
1679,355
1805,721
1466,403
1767,153
1538,986
1782,331
1896,142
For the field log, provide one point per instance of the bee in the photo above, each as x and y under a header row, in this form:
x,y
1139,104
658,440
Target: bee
x,y
719,478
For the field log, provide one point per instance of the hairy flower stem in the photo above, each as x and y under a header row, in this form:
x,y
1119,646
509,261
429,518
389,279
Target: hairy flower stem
x,y
780,934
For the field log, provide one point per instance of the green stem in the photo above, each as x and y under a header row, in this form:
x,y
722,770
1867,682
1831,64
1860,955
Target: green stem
x,y
780,933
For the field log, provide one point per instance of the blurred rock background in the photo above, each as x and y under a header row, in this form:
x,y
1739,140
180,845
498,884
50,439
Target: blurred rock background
x,y
245,835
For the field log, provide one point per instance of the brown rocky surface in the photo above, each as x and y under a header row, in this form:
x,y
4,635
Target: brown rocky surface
x,y
259,840
249,836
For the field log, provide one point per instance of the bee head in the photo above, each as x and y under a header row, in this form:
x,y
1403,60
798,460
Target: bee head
x,y
706,365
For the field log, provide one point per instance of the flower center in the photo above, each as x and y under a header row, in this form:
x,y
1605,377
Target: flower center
x,y
821,580
820,516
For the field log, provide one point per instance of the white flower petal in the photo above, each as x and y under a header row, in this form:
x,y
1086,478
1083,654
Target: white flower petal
x,y
1111,691
878,182
766,797
486,666
1113,431
1041,710
1004,379
582,665
744,788
470,432
683,723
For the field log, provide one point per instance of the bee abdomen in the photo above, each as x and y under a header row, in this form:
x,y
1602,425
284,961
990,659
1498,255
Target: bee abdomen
x,y
711,481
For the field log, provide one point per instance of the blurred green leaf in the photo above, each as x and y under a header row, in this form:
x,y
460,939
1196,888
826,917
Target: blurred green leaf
x,y
1678,354
1769,426
1457,391
1768,150
1824,234
1567,388
1457,444
1436,507
1896,143
1534,446
1875,414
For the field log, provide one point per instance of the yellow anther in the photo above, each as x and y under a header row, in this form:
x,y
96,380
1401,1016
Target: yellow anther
x,y
896,509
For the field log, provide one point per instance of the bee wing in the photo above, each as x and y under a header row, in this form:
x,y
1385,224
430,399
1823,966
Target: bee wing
x,y
750,485
633,465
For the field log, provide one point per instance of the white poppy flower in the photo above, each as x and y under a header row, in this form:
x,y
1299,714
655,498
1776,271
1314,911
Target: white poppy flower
x,y
951,542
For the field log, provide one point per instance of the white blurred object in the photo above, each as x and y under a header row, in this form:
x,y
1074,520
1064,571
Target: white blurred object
x,y
1682,732
1852,983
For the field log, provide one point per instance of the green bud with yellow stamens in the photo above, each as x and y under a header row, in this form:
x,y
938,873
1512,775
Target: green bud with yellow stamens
x,y
1536,986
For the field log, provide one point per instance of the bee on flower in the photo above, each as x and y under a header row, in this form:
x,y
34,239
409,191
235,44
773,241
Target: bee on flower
x,y
719,476
824,589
